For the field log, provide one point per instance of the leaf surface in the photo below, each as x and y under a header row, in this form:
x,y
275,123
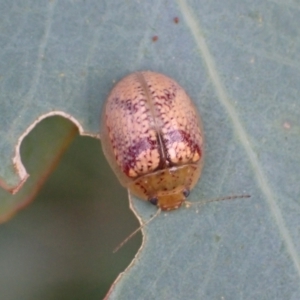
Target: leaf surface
x,y
239,63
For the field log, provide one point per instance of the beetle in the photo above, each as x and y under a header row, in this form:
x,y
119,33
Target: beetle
x,y
152,137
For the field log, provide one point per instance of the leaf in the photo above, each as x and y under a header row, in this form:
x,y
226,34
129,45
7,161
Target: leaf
x,y
239,63
239,249
45,146
61,246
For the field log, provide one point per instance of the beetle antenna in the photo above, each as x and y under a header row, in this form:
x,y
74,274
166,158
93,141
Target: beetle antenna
x,y
218,199
136,231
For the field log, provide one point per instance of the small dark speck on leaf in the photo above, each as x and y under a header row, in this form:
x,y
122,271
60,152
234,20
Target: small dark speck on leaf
x,y
217,238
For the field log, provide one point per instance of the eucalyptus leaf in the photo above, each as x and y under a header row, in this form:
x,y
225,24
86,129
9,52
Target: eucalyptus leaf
x,y
239,63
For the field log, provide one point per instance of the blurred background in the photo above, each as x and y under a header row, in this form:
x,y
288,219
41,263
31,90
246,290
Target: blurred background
x,y
60,246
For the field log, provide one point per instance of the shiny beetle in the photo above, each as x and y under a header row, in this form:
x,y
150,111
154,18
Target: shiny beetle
x,y
153,139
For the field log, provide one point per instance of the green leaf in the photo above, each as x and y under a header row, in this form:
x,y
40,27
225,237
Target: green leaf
x,y
44,148
61,246
239,63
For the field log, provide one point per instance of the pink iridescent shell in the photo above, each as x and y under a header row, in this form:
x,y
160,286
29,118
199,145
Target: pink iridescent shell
x,y
152,137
